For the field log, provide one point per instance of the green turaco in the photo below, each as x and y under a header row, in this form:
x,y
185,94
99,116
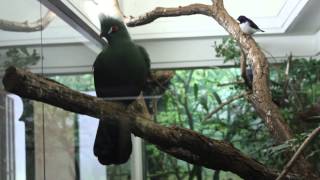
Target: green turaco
x,y
120,73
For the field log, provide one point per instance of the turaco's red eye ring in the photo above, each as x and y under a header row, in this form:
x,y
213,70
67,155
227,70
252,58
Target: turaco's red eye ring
x,y
115,28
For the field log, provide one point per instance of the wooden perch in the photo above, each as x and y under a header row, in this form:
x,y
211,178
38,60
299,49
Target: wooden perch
x,y
179,142
26,26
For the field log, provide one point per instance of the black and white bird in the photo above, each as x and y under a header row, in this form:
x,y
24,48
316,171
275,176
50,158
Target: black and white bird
x,y
248,26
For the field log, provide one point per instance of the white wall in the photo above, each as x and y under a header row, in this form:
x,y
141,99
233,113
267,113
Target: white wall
x,y
172,53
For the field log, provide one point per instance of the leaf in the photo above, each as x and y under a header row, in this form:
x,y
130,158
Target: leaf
x,y
204,102
217,97
195,90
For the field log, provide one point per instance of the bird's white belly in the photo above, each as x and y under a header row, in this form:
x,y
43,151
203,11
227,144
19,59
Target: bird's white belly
x,y
245,27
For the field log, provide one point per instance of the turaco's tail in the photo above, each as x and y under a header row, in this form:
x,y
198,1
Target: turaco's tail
x,y
113,142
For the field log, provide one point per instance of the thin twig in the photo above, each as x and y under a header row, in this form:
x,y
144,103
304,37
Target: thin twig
x,y
311,136
230,83
223,104
286,76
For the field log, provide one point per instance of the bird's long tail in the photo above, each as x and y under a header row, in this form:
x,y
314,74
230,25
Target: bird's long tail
x,y
113,142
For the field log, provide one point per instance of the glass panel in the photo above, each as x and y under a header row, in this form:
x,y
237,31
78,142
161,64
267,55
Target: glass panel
x,y
19,46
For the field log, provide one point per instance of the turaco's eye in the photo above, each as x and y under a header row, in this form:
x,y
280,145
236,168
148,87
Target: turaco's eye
x,y
113,29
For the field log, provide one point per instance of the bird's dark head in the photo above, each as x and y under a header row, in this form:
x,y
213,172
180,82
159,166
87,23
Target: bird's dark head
x,y
112,28
242,19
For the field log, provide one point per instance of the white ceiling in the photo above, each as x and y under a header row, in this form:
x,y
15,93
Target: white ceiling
x,y
308,20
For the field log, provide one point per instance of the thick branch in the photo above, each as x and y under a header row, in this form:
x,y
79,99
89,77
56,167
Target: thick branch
x,y
179,142
26,26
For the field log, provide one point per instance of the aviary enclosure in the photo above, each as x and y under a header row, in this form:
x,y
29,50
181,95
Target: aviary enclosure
x,y
253,115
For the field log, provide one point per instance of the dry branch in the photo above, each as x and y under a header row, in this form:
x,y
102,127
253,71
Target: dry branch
x,y
26,26
230,100
294,158
179,142
168,12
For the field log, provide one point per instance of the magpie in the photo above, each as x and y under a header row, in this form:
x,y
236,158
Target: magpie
x,y
248,26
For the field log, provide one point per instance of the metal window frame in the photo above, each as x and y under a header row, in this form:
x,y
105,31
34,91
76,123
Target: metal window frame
x,y
67,12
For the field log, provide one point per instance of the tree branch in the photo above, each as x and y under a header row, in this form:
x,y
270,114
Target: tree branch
x,y
168,12
179,142
230,83
311,136
223,104
26,26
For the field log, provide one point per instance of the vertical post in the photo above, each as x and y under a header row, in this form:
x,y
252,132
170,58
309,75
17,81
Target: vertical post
x,y
136,159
